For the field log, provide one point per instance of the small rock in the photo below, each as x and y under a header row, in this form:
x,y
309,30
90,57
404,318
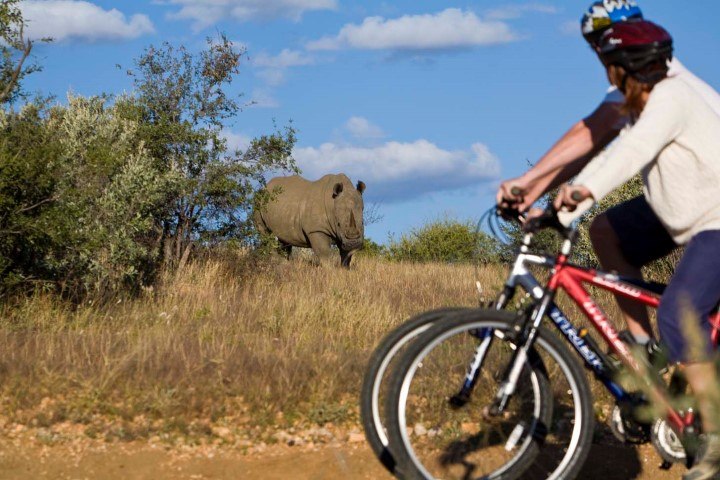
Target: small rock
x,y
420,430
470,427
296,442
222,432
356,437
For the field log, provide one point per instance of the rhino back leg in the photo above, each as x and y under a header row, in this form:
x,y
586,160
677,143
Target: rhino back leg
x,y
286,249
321,246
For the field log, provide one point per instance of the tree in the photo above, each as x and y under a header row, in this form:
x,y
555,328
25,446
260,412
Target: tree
x,y
182,105
15,51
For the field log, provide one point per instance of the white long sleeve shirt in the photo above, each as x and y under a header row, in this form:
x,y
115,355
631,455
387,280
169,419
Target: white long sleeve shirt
x,y
676,145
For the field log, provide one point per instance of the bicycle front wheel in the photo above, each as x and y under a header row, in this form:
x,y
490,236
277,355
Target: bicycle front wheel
x,y
375,385
544,431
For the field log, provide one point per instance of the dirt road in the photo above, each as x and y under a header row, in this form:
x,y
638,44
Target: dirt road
x,y
31,460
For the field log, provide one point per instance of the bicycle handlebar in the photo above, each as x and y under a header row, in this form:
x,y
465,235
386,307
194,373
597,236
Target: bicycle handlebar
x,y
577,196
548,219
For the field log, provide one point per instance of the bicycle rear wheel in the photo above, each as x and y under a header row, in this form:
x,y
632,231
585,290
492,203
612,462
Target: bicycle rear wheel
x,y
374,383
545,431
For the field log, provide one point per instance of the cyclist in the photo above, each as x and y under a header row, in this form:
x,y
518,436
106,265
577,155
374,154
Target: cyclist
x,y
675,143
620,235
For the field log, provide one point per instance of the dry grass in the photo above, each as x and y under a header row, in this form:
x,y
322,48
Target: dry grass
x,y
229,341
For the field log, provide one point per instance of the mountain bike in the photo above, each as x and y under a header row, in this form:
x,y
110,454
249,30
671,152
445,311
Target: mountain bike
x,y
491,394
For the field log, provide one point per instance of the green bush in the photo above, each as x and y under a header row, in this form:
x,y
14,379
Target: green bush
x,y
78,199
371,249
445,240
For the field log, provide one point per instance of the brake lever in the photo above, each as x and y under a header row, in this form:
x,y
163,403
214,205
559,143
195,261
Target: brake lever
x,y
510,214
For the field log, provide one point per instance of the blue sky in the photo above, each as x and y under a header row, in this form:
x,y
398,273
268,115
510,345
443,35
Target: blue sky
x,y
429,103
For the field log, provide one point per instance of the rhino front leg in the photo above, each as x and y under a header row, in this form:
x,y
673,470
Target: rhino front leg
x,y
346,257
321,245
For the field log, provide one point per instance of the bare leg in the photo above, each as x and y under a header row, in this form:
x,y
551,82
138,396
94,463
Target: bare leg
x,y
702,378
321,245
607,247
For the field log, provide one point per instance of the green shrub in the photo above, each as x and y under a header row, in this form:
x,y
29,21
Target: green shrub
x,y
445,240
372,249
78,199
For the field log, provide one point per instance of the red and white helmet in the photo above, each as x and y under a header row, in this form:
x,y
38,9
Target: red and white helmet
x,y
635,45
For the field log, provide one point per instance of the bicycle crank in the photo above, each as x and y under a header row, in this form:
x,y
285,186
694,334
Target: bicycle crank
x,y
625,428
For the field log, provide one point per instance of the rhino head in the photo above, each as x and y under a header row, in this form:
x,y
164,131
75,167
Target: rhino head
x,y
348,212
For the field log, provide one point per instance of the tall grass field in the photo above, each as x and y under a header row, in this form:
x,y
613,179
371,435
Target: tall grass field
x,y
230,342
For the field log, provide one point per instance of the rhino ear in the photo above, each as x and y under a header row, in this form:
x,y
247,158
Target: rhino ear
x,y
361,186
337,189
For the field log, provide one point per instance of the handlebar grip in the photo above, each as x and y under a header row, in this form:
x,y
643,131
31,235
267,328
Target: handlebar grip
x,y
517,191
577,196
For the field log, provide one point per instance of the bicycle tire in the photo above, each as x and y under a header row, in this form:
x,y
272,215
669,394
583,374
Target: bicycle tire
x,y
524,454
379,363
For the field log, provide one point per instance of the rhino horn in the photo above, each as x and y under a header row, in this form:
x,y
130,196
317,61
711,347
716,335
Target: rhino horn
x,y
361,186
337,189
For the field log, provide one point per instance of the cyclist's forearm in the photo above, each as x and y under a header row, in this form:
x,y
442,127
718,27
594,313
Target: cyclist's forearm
x,y
567,173
555,178
577,143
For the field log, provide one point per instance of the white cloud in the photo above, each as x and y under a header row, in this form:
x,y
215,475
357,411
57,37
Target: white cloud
x,y
79,20
400,171
361,128
450,29
272,68
205,13
285,59
236,141
511,12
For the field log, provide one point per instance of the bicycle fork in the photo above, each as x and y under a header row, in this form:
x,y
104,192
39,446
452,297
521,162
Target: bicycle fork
x,y
485,336
520,357
461,398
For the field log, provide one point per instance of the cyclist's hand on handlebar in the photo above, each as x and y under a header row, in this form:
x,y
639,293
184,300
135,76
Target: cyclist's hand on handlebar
x,y
511,194
570,196
533,213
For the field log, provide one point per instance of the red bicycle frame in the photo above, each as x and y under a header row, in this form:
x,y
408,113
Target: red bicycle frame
x,y
571,279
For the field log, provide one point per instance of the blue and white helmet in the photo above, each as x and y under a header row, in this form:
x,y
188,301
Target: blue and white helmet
x,y
602,14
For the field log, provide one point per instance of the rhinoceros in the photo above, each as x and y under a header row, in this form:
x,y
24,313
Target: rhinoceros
x,y
301,213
